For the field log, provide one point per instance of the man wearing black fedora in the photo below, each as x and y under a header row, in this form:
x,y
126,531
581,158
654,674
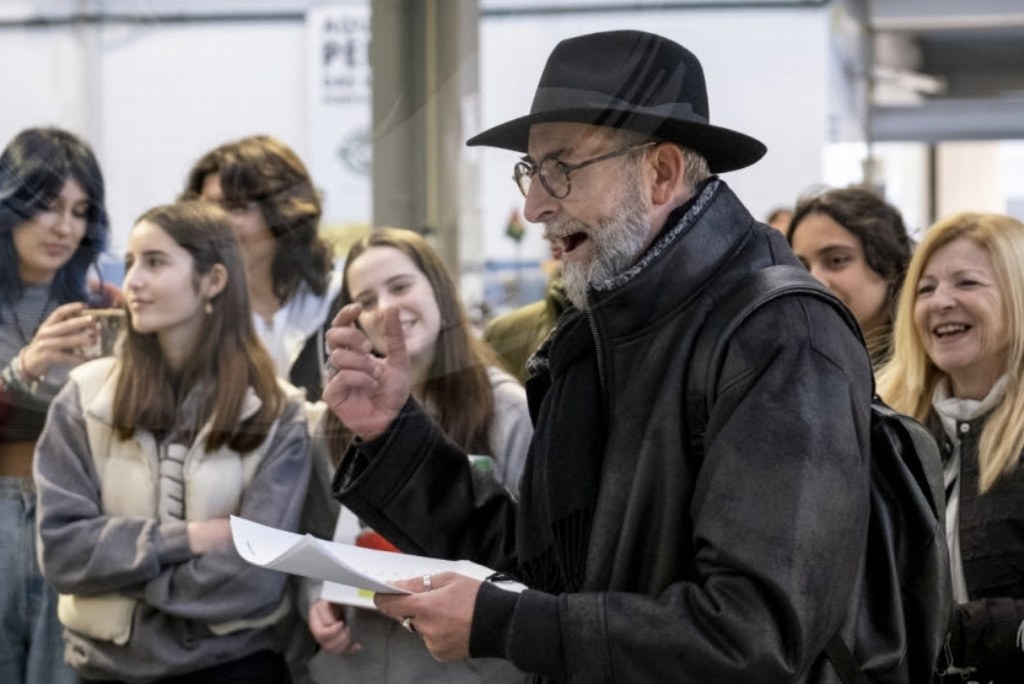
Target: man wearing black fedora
x,y
644,560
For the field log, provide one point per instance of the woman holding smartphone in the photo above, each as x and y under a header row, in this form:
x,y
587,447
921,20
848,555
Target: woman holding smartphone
x,y
53,226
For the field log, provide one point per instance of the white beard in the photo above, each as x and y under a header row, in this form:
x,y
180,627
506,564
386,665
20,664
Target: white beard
x,y
616,242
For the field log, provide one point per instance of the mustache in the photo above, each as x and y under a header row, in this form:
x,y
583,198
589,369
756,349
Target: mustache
x,y
560,228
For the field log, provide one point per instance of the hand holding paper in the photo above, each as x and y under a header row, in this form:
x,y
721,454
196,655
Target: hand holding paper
x,y
346,564
442,615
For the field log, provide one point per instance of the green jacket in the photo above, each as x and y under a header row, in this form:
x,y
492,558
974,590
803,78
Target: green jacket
x,y
517,334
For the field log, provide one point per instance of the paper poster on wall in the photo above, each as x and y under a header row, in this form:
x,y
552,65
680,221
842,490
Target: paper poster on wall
x,y
340,116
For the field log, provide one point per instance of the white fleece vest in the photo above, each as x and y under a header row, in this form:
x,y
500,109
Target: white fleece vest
x,y
128,472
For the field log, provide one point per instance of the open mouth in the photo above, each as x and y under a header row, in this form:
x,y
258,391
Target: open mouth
x,y
950,330
572,241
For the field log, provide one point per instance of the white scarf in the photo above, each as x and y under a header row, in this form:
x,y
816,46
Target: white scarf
x,y
952,411
300,317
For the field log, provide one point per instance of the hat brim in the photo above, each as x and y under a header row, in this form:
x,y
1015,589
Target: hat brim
x,y
724,149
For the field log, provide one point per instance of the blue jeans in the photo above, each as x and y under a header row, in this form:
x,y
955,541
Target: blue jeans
x,y
31,646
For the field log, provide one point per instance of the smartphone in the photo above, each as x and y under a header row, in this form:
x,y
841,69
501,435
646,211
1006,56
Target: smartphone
x,y
111,322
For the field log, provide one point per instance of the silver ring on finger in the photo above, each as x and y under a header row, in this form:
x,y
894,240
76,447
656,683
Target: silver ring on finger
x,y
428,583
407,624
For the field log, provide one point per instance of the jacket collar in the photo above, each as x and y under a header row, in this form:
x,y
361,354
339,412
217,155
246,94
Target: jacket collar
x,y
676,268
694,243
676,224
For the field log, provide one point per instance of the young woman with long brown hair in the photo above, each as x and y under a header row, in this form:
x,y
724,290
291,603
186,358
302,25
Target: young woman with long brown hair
x,y
146,454
459,382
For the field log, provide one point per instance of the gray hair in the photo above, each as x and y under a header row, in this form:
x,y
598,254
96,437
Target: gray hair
x,y
696,171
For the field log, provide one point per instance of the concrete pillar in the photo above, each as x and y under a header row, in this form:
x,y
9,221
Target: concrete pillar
x,y
423,54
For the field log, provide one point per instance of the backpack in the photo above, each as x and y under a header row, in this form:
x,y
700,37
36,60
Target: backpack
x,y
906,551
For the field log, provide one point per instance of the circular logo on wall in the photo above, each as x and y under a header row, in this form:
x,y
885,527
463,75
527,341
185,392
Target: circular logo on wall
x,y
355,153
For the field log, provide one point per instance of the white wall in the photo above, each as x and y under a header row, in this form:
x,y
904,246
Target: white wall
x,y
42,82
1012,165
152,98
969,178
767,76
163,106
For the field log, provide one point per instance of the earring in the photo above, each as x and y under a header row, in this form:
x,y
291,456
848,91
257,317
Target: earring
x,y
208,308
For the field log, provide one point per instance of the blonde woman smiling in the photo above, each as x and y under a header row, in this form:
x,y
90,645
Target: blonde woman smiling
x,y
957,365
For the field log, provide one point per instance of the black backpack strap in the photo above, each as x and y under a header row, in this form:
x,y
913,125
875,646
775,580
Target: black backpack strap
x,y
742,300
842,660
928,475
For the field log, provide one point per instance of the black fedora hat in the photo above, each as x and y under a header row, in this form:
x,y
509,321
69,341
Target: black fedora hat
x,y
633,80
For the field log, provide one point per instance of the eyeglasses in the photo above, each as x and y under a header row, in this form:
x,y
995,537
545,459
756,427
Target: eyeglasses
x,y
554,173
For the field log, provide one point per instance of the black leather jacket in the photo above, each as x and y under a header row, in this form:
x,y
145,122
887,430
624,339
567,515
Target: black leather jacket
x,y
737,568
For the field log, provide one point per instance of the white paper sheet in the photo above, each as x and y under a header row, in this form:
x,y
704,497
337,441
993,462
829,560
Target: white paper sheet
x,y
369,570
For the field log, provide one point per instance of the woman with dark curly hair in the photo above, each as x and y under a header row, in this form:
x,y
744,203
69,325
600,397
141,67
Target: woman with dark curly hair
x,y
275,209
53,226
855,243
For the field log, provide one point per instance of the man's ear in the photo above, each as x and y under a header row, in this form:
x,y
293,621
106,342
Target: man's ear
x,y
216,280
669,167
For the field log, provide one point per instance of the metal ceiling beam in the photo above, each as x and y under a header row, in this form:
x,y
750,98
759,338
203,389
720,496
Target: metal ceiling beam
x,y
937,15
939,120
516,9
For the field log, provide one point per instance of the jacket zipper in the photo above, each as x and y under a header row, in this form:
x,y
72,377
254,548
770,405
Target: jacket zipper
x,y
599,349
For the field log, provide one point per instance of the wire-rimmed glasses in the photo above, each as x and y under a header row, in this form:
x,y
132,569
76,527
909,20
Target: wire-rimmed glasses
x,y
554,173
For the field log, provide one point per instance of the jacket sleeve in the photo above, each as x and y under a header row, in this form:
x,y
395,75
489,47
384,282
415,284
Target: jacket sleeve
x,y
220,585
414,467
83,551
985,635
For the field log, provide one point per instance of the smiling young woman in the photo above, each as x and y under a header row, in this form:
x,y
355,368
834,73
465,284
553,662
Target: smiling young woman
x,y
459,381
